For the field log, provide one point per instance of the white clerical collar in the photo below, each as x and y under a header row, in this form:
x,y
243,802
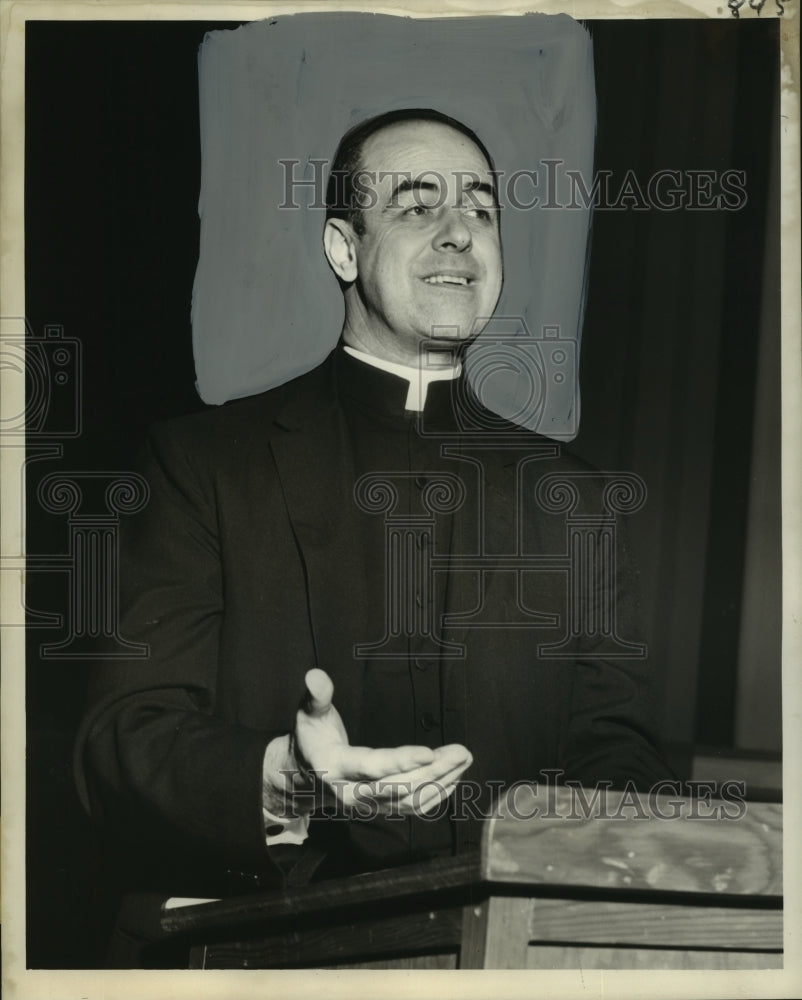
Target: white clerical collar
x,y
419,379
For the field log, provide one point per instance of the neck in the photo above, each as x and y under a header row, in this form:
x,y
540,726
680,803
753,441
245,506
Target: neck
x,y
426,355
418,379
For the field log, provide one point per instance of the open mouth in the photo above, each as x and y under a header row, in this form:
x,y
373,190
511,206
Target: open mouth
x,y
459,280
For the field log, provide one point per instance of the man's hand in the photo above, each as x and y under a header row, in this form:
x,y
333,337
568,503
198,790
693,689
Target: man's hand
x,y
407,780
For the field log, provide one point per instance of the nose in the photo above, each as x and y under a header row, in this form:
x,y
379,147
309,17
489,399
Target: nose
x,y
453,235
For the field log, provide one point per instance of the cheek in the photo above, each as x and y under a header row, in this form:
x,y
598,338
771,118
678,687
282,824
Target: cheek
x,y
495,269
391,263
487,244
493,254
489,250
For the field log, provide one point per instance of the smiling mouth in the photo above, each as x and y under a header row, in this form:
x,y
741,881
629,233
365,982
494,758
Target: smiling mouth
x,y
459,280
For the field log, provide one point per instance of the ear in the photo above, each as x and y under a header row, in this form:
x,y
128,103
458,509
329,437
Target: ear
x,y
339,242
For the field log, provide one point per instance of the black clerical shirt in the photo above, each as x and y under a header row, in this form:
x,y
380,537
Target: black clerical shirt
x,y
402,702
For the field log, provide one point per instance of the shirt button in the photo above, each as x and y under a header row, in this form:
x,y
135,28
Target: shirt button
x,y
428,721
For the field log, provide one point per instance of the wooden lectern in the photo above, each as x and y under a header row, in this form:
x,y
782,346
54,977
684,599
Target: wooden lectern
x,y
565,879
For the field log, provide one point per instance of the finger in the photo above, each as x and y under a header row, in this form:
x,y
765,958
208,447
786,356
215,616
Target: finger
x,y
452,776
319,693
398,799
425,799
453,751
443,769
429,804
406,783
402,798
370,763
413,797
423,804
366,793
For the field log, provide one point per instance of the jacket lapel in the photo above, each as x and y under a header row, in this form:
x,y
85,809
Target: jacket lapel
x,y
314,460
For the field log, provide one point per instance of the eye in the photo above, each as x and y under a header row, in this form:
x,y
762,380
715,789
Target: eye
x,y
482,214
415,210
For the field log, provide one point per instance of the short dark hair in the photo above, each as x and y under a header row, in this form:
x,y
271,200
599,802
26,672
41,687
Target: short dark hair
x,y
341,194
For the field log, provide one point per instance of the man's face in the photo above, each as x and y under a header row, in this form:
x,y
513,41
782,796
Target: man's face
x,y
429,259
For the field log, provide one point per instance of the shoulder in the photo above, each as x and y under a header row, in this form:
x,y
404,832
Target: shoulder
x,y
241,423
516,442
550,473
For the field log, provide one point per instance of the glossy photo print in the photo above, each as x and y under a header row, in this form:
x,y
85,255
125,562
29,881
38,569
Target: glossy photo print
x,y
398,470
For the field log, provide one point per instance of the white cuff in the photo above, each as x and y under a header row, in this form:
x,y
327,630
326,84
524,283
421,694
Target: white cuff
x,y
293,831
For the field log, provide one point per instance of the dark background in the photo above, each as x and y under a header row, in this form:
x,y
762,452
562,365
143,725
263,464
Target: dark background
x,y
680,369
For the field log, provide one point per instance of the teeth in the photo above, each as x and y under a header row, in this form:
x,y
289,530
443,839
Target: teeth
x,y
446,279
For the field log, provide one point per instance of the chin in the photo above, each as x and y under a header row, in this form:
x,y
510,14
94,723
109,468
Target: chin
x,y
458,329
451,333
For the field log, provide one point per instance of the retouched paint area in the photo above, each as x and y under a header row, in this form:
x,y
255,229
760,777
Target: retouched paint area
x,y
266,307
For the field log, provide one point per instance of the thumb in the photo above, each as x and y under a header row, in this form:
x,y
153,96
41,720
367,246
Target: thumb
x,y
319,692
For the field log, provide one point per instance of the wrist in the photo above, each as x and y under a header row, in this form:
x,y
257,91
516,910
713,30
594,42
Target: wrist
x,y
285,785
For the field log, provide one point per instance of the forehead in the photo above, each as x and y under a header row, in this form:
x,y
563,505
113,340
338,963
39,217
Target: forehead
x,y
420,146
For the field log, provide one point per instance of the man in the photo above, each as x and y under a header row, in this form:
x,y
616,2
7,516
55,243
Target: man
x,y
260,575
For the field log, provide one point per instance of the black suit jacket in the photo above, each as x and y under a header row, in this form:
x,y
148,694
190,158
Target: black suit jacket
x,y
247,568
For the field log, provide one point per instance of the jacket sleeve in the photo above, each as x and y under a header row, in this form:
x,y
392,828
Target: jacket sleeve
x,y
611,737
153,759
612,726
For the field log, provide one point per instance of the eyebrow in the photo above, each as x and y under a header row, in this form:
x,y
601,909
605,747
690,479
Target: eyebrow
x,y
482,187
409,185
